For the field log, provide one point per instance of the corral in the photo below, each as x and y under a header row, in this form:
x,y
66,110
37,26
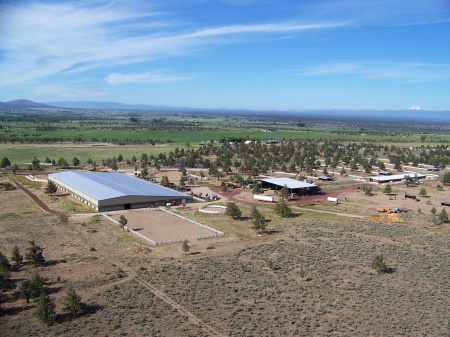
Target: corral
x,y
162,227
114,191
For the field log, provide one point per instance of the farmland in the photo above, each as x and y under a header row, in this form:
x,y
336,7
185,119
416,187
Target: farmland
x,y
307,275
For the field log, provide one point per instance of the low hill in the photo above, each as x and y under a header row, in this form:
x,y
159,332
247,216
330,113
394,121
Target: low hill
x,y
23,104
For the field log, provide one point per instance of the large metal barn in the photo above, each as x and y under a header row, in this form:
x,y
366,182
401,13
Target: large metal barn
x,y
294,186
114,191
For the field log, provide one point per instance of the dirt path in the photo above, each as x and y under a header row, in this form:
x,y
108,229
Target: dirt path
x,y
35,198
194,319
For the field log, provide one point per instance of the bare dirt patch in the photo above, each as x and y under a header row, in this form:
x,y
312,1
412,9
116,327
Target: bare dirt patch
x,y
160,226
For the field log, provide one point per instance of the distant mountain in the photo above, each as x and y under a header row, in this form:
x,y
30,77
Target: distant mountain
x,y
402,116
111,106
415,107
23,104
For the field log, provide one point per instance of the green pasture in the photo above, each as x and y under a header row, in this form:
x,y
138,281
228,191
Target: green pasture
x,y
196,136
24,154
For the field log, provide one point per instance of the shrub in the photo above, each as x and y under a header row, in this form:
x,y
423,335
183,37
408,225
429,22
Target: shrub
x,y
379,264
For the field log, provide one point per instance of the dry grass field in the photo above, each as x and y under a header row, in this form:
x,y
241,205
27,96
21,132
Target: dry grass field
x,y
247,285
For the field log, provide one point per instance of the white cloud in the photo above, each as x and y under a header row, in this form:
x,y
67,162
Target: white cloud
x,y
39,41
148,77
398,71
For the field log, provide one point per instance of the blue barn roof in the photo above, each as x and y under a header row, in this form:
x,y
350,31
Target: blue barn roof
x,y
103,186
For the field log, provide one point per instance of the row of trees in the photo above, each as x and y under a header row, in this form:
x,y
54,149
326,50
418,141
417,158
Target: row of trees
x,y
294,156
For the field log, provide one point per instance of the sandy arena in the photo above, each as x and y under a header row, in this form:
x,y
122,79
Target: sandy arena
x,y
160,226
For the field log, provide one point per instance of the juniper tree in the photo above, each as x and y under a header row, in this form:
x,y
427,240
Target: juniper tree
x,y
443,216
387,189
284,192
32,287
185,247
50,188
16,257
282,209
423,192
34,253
379,264
259,222
46,309
233,210
5,162
123,222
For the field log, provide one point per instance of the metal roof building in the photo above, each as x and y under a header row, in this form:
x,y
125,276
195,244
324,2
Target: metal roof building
x,y
294,186
114,191
395,177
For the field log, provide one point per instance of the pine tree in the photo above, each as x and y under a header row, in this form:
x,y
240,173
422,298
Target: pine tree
x,y
259,222
284,192
423,192
256,188
185,247
34,253
233,210
443,216
72,303
123,222
46,309
379,264
50,188
5,162
32,287
282,209
387,189
16,257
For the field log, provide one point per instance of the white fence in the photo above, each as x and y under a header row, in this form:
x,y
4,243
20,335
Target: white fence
x,y
192,221
165,242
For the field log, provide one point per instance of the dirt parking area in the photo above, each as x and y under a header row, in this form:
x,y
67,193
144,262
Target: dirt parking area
x,y
161,226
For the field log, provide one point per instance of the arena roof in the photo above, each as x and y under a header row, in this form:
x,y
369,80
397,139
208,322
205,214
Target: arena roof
x,y
103,186
288,182
398,177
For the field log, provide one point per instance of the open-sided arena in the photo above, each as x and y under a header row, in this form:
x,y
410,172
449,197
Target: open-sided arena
x,y
160,226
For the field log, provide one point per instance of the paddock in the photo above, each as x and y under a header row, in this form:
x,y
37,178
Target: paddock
x,y
160,226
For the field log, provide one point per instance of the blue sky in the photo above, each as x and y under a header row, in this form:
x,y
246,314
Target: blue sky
x,y
251,54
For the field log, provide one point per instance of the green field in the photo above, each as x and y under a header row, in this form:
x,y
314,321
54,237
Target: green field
x,y
84,134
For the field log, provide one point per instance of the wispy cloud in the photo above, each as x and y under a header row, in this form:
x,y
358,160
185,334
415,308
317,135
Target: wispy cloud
x,y
41,40
159,76
397,71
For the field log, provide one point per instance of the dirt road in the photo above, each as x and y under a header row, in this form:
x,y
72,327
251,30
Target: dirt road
x,y
35,198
